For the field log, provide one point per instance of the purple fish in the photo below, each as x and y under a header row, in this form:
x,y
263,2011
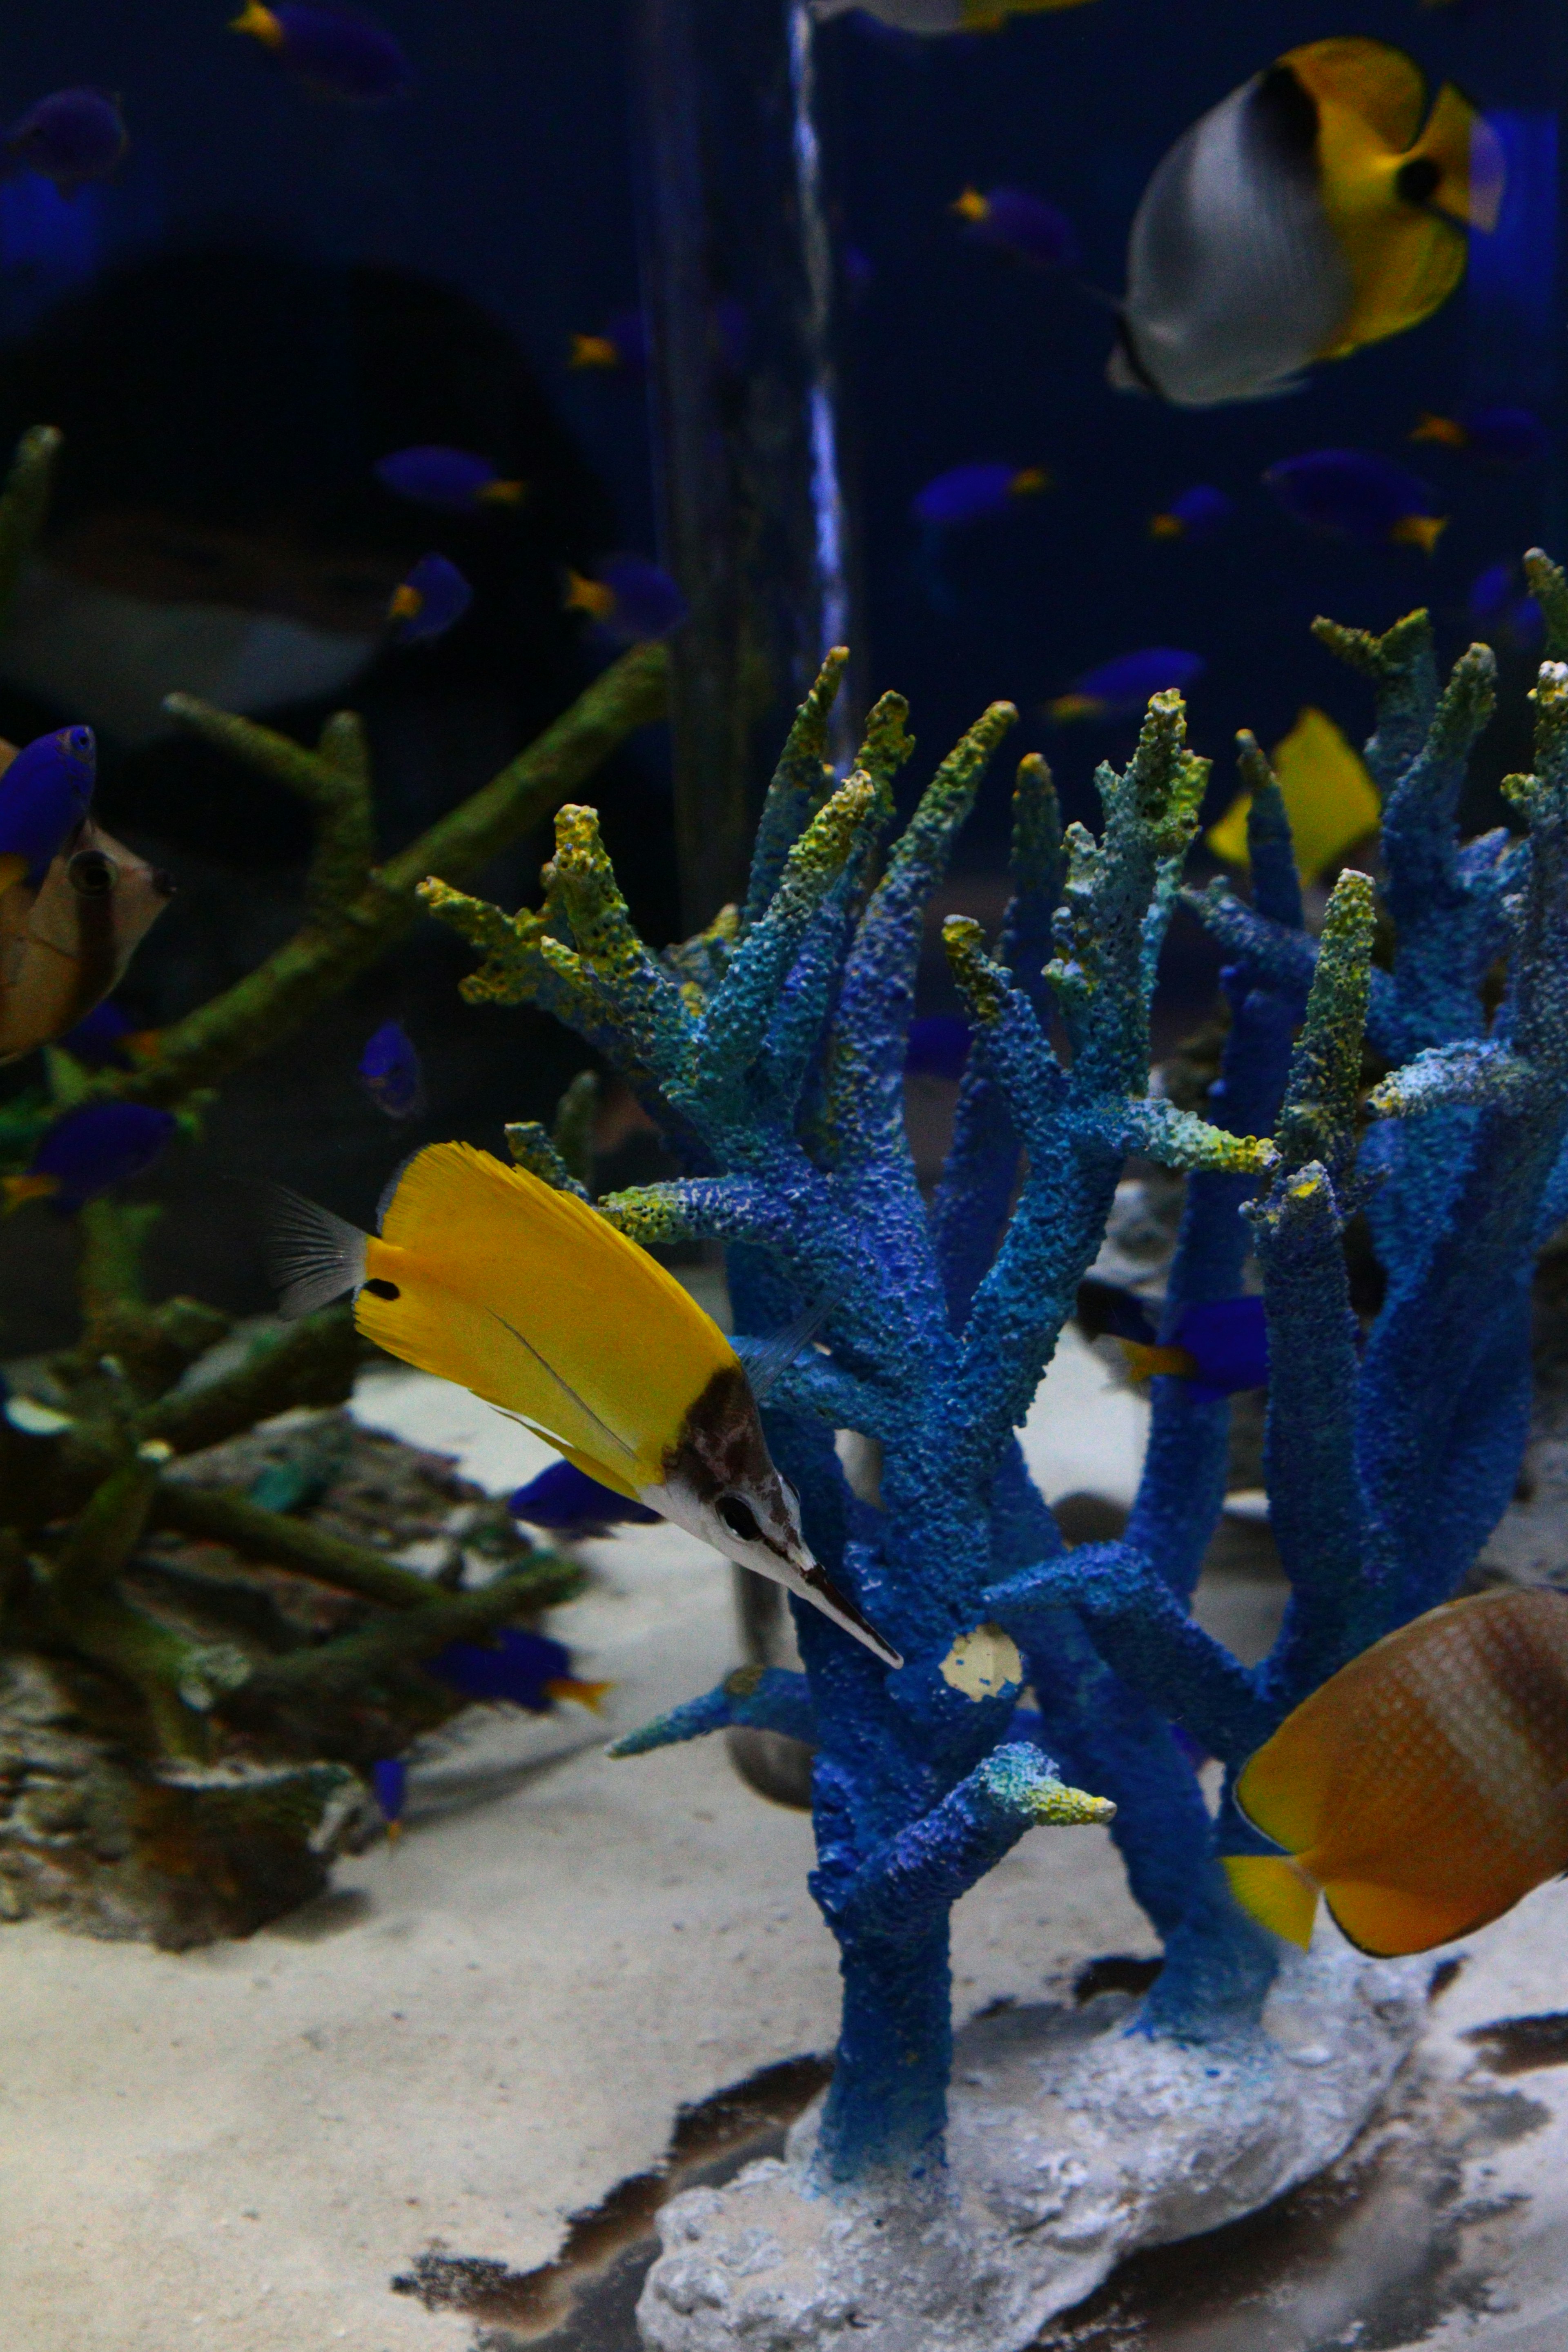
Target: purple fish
x,y
1019,224
1199,514
336,52
567,1501
389,1780
71,137
1496,436
89,1152
527,1670
628,599
390,1071
430,601
1120,689
454,481
1347,494
44,797
1220,1345
938,1047
968,494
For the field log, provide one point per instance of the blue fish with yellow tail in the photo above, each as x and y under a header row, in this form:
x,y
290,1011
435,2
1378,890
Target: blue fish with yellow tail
x,y
1351,494
967,493
1196,516
1493,436
1220,1345
1319,208
389,1783
530,1299
570,1503
629,599
525,1669
431,600
1120,689
1423,1790
71,137
452,481
1017,223
44,793
621,344
335,52
108,1039
391,1073
89,1152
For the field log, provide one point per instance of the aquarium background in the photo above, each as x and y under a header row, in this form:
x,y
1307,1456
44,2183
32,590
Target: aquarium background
x,y
508,178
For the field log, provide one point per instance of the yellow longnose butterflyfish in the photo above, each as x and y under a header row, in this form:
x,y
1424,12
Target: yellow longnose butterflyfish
x,y
1329,795
485,1275
1312,212
1423,1787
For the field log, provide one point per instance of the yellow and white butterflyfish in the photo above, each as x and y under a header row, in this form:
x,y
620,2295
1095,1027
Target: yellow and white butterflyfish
x,y
488,1277
1318,208
1423,1787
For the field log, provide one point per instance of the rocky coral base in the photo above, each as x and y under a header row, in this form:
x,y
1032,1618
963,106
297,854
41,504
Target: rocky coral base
x,y
1072,2141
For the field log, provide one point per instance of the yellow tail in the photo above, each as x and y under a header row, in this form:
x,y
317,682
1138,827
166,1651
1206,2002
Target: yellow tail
x,y
1275,1891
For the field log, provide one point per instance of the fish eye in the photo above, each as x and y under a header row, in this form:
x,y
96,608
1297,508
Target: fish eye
x,y
738,1518
91,873
380,1289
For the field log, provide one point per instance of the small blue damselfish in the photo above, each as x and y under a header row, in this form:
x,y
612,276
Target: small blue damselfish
x,y
391,1072
432,599
968,494
453,481
336,52
89,1152
1120,688
569,1503
44,793
70,137
1220,1345
628,598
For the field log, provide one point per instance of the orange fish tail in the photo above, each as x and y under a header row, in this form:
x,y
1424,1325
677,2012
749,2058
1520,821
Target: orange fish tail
x,y
260,23
1277,1892
1165,525
1027,481
589,1695
406,604
971,206
1419,531
1445,429
19,1189
589,596
503,494
594,351
1074,705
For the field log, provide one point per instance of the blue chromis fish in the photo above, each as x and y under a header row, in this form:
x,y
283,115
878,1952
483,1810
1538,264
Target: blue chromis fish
x,y
46,791
1350,494
938,1047
71,137
1423,1790
1198,514
1019,224
527,1669
967,493
530,1299
941,15
453,481
1317,209
1493,436
432,599
391,1073
89,1152
628,598
1329,795
1120,689
65,944
335,52
569,1503
1220,1345
622,343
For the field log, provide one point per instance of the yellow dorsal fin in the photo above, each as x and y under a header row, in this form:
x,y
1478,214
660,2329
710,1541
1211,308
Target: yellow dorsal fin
x,y
1468,156
534,1301
1381,85
1275,1891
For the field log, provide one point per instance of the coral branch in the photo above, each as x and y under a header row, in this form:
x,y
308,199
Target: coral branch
x,y
762,1698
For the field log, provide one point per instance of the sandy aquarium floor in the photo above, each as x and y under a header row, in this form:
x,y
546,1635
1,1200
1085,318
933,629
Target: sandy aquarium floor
x,y
486,2027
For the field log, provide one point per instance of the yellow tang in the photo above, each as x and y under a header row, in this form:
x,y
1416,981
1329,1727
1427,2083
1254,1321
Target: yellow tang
x,y
485,1275
1329,798
1309,213
1423,1789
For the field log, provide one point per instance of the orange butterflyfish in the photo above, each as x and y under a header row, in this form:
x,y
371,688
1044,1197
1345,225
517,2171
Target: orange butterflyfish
x,y
485,1275
1423,1789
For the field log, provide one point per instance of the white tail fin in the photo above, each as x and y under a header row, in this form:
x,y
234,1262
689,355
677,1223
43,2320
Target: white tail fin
x,y
313,1257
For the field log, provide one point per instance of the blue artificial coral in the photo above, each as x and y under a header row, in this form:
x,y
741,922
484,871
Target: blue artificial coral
x,y
771,1052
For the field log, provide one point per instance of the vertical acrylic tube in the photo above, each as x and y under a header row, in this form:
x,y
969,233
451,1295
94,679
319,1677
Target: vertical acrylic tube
x,y
737,284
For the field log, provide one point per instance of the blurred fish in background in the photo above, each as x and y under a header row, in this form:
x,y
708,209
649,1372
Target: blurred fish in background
x,y
1308,214
1024,226
432,599
1120,689
89,1152
453,481
1350,494
1501,610
621,343
391,1073
967,493
1493,436
571,1505
335,52
1196,516
71,137
628,598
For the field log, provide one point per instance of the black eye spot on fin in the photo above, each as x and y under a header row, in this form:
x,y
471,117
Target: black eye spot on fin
x,y
738,1518
1417,182
380,1289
